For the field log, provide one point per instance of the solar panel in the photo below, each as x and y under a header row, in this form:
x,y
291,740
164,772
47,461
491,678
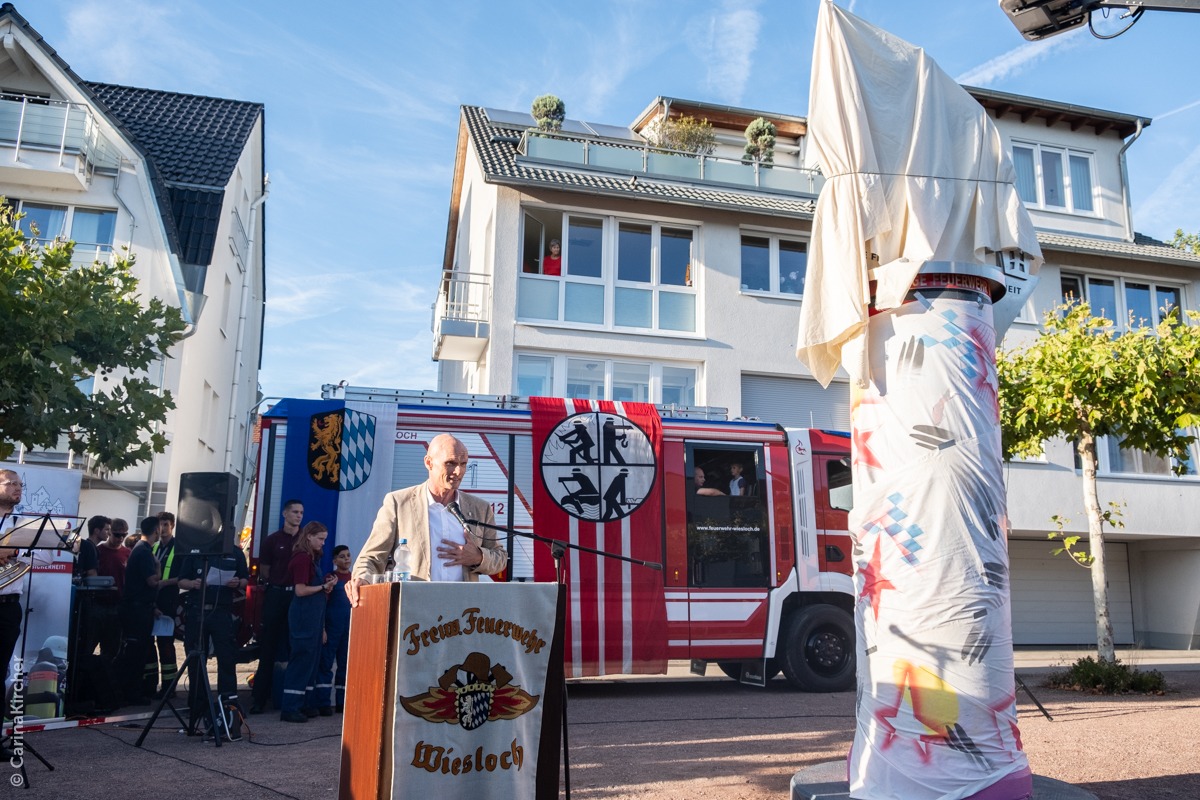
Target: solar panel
x,y
613,132
498,117
509,119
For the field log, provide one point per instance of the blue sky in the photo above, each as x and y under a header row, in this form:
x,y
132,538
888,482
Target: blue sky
x,y
362,112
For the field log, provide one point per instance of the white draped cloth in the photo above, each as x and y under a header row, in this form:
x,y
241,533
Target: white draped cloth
x,y
917,172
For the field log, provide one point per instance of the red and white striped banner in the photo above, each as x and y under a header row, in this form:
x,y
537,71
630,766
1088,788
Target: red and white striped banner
x,y
599,484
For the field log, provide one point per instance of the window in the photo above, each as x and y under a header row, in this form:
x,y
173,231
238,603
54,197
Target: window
x,y
589,378
610,273
772,264
1054,178
727,533
91,229
535,376
1120,299
1113,459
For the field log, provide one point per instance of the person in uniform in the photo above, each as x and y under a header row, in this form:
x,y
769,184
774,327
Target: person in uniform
x,y
221,577
136,612
167,601
306,622
331,685
273,626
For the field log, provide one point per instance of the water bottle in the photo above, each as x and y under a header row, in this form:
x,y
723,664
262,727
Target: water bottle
x,y
402,557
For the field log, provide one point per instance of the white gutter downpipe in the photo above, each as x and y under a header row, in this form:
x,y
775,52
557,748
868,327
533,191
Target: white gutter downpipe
x,y
241,326
1125,180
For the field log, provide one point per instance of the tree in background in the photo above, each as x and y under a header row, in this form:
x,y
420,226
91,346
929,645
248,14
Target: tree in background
x,y
549,112
687,134
1186,241
61,324
760,142
1084,378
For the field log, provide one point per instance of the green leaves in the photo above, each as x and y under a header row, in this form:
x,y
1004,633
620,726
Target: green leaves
x,y
1085,376
61,325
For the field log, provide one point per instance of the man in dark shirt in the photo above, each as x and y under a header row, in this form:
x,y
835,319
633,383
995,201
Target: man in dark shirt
x,y
169,564
111,561
137,613
86,565
273,629
231,576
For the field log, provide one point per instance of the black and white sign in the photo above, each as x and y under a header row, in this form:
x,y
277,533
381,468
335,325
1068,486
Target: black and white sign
x,y
598,466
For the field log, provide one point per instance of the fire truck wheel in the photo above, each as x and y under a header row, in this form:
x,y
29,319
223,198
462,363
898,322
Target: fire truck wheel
x,y
818,649
733,669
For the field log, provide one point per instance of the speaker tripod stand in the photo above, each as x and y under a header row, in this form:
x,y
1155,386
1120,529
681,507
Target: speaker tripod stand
x,y
195,665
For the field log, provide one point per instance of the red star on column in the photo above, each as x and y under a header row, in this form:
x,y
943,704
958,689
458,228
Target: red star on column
x,y
873,581
859,433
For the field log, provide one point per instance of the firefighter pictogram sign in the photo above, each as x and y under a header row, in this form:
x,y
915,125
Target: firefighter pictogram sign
x,y
598,466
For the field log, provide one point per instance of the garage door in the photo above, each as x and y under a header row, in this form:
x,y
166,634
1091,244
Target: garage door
x,y
1052,597
796,402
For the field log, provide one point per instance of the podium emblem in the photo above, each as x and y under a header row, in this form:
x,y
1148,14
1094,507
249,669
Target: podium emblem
x,y
470,694
598,466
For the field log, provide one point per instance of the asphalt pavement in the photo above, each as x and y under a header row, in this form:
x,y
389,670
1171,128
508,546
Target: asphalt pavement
x,y
300,761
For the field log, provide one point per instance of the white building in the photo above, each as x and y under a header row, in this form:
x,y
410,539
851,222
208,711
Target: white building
x,y
179,180
682,279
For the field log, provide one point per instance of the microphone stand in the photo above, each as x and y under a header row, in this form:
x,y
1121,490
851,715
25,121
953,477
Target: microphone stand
x,y
558,549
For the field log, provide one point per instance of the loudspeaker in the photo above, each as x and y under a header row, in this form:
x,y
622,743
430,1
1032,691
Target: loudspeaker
x,y
204,523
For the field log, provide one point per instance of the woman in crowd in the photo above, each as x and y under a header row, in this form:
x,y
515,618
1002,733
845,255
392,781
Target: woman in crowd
x,y
306,622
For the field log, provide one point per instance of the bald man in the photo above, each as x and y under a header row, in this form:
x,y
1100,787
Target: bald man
x,y
420,514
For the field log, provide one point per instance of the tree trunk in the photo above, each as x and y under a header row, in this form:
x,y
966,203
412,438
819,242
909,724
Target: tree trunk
x,y
1104,631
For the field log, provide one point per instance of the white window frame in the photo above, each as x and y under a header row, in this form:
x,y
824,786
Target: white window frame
x,y
1119,289
558,372
1039,178
92,250
608,274
772,262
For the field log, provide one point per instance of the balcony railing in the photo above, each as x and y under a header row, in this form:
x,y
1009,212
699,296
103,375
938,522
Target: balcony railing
x,y
462,316
238,240
630,159
56,126
84,254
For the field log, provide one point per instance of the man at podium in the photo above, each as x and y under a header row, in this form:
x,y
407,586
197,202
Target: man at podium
x,y
432,517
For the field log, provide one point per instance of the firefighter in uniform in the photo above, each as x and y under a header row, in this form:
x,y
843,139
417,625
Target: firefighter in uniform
x,y
217,608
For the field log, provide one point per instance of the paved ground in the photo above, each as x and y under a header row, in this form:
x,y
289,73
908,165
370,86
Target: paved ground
x,y
661,738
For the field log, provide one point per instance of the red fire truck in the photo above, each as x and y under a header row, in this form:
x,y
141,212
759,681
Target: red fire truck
x,y
752,534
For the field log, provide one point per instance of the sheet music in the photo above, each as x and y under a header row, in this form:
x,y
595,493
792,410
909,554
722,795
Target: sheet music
x,y
163,626
38,531
218,577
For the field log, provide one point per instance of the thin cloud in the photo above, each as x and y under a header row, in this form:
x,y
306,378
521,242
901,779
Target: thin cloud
x,y
1018,60
139,42
1174,202
1174,111
727,40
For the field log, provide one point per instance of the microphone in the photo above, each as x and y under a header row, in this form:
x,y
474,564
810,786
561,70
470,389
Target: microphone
x,y
458,515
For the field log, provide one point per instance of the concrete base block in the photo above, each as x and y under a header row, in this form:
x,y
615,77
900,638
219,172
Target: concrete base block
x,y
828,782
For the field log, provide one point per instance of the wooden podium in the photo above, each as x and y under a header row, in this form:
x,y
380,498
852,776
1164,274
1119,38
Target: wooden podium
x,y
371,680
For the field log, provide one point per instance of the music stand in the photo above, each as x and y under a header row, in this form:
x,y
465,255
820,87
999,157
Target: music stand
x,y
39,533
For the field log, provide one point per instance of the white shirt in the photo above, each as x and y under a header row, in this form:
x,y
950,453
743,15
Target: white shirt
x,y
443,527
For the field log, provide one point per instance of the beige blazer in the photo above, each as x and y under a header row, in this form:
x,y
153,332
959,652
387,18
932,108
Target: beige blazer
x,y
405,514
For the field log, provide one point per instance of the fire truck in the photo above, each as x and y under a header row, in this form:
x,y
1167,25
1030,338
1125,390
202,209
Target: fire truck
x,y
751,517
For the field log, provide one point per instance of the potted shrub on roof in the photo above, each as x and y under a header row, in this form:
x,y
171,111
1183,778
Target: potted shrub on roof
x,y
549,112
686,134
760,142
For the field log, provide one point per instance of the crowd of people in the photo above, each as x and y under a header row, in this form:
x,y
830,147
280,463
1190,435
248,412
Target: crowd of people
x,y
145,589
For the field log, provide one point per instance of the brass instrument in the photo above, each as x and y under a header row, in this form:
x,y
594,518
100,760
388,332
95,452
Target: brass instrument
x,y
13,571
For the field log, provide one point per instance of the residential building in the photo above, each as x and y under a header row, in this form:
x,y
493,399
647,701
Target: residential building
x,y
179,182
680,278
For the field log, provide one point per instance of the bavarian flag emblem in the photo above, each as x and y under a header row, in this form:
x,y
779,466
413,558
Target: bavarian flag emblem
x,y
340,446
